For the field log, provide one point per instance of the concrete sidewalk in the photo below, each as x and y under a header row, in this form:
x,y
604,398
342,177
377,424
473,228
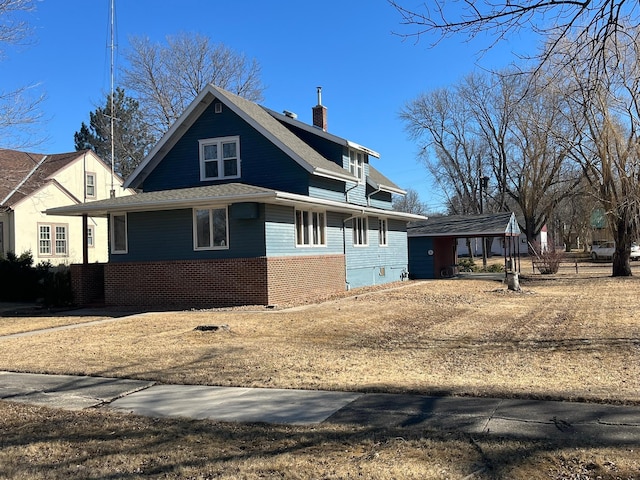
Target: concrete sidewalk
x,y
526,419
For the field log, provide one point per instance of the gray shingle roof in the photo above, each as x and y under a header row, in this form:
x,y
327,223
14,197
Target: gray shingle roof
x,y
167,199
487,225
256,116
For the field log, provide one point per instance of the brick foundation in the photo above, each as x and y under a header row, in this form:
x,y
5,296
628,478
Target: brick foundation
x,y
295,278
221,283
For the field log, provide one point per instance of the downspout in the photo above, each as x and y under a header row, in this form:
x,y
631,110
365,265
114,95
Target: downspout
x,y
371,195
346,193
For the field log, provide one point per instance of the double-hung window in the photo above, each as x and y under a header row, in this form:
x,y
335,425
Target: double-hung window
x,y
382,232
220,158
90,185
356,164
311,228
53,240
119,233
210,228
360,228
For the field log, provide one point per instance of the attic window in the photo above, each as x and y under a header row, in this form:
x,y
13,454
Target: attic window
x,y
217,107
220,158
356,164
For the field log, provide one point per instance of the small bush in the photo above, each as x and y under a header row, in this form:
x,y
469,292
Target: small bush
x,y
549,259
55,284
467,265
495,268
18,279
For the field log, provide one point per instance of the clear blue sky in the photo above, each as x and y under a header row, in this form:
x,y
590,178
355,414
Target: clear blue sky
x,y
346,46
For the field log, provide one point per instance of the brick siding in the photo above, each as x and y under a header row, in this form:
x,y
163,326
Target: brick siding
x,y
87,283
296,278
221,283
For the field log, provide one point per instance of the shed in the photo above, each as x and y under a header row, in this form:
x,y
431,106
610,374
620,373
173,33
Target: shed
x,y
432,242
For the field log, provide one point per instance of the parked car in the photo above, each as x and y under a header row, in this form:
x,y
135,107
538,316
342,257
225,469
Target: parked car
x,y
605,251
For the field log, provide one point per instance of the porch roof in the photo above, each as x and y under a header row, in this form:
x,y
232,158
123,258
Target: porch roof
x,y
467,226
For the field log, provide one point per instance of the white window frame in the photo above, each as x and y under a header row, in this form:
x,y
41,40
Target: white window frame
x,y
91,236
360,227
383,232
56,242
219,160
44,244
90,185
211,244
357,160
310,228
114,250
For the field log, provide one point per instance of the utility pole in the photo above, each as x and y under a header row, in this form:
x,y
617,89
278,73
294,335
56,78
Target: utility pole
x,y
484,182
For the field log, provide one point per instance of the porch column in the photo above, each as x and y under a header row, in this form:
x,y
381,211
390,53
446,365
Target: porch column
x,y
85,240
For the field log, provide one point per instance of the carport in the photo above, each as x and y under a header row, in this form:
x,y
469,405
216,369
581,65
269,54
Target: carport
x,y
433,242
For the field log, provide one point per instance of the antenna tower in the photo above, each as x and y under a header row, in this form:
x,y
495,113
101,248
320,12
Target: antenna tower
x,y
112,46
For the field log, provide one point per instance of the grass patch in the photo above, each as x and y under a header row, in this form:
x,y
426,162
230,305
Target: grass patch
x,y
563,337
557,339
36,442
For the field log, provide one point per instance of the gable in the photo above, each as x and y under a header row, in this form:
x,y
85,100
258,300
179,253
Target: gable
x,y
255,116
259,157
24,172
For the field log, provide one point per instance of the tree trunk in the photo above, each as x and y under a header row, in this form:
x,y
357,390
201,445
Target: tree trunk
x,y
622,254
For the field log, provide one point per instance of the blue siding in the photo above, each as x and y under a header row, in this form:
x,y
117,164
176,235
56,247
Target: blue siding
x,y
262,163
375,264
380,199
421,264
281,235
327,189
168,235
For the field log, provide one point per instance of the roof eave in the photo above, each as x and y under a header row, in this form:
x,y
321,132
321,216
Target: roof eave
x,y
169,204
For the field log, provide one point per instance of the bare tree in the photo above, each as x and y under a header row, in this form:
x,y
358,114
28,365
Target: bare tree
x,y
410,203
166,78
494,124
540,174
19,108
595,25
571,219
440,122
605,111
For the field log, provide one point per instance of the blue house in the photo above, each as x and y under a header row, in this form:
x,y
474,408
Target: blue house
x,y
243,205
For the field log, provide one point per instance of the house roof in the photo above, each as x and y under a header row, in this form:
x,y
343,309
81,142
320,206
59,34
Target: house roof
x,y
23,172
255,115
270,124
485,225
320,132
223,193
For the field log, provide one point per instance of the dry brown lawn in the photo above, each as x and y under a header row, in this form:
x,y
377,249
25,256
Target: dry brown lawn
x,y
38,443
560,338
572,337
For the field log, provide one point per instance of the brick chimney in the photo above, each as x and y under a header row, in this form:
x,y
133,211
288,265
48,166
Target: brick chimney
x,y
320,113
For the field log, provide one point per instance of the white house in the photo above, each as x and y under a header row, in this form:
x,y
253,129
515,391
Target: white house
x,y
30,183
